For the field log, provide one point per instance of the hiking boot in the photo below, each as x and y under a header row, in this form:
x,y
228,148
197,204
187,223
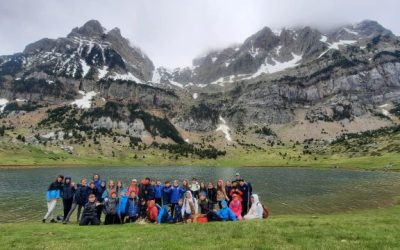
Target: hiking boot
x,y
44,220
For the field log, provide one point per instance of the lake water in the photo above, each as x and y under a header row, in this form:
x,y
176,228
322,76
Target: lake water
x,y
283,190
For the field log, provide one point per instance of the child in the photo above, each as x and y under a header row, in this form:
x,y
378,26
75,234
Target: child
x,y
195,187
142,210
212,194
100,198
176,192
225,213
205,206
133,187
203,188
53,194
122,205
236,206
93,189
110,209
256,210
109,190
89,215
158,192
152,211
68,195
80,199
164,215
166,193
177,217
228,188
119,188
189,208
132,208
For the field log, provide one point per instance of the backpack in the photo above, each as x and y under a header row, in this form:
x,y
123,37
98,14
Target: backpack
x,y
265,212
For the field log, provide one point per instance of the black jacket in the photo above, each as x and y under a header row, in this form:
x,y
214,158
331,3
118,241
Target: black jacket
x,y
90,210
212,194
55,186
81,195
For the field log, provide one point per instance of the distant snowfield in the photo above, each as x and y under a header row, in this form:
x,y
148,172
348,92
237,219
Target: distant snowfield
x,y
336,45
224,128
127,77
3,103
86,101
267,68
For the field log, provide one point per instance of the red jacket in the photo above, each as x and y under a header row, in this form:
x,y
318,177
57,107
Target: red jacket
x,y
133,188
238,192
152,211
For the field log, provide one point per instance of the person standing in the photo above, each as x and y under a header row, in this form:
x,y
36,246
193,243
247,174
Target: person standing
x,y
68,195
52,195
80,199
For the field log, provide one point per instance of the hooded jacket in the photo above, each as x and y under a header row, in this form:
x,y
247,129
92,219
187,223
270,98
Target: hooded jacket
x,y
68,190
132,208
163,215
122,202
110,206
236,207
152,211
54,191
166,194
190,204
225,213
256,208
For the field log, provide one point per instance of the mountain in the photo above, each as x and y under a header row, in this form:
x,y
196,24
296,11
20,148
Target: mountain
x,y
294,84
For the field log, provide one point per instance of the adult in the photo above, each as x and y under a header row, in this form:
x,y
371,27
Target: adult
x,y
52,195
96,180
246,189
147,190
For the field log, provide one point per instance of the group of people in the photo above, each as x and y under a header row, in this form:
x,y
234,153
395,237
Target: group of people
x,y
153,202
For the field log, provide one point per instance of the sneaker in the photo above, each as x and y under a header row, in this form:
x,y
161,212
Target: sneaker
x,y
53,221
44,220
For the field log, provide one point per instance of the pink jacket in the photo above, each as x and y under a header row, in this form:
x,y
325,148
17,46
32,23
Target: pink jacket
x,y
236,207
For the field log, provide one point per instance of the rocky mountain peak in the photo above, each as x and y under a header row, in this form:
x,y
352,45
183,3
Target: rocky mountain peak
x,y
92,28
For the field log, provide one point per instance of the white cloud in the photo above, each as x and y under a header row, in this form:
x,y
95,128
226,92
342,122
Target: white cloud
x,y
173,32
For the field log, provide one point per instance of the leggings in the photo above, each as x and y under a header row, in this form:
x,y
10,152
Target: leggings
x,y
67,203
74,205
51,205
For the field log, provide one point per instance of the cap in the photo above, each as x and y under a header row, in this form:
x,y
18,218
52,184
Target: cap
x,y
237,174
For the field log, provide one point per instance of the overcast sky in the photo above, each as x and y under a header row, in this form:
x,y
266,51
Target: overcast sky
x,y
173,32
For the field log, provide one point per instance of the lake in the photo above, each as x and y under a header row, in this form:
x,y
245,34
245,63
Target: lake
x,y
283,190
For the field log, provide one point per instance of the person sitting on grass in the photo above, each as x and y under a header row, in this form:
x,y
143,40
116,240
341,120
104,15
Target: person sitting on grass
x,y
164,214
142,210
152,211
189,208
110,209
177,217
256,210
89,215
205,206
236,206
132,208
52,195
223,214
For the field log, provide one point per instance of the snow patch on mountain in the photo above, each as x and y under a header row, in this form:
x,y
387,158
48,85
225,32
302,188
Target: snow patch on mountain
x,y
195,96
267,68
351,31
336,45
103,72
86,101
3,104
125,77
224,128
85,67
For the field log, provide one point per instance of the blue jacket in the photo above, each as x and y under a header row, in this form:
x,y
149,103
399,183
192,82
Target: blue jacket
x,y
122,204
158,191
82,195
225,213
163,215
166,195
176,193
178,214
132,208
